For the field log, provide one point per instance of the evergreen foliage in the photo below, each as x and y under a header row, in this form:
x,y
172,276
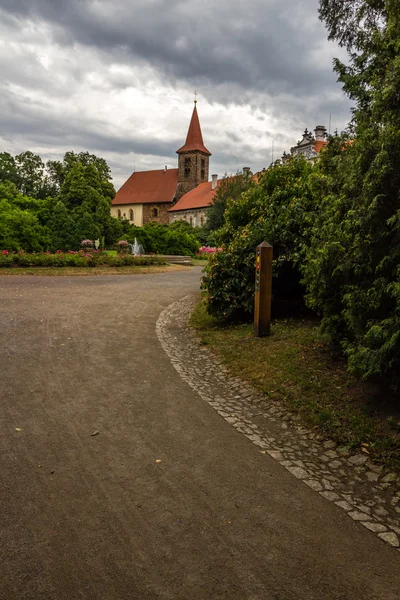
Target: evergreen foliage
x,y
352,269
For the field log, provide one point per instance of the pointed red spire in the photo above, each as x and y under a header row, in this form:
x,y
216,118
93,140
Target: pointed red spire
x,y
194,139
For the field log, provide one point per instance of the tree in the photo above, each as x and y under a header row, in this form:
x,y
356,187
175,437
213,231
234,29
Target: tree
x,y
58,170
230,188
352,265
8,169
30,173
63,229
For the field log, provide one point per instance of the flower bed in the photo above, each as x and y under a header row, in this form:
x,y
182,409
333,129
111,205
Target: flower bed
x,y
206,251
74,259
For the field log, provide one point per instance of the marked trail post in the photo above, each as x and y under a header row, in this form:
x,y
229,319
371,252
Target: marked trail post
x,y
263,295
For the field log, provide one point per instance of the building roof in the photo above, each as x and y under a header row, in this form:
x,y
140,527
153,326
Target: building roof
x,y
200,197
148,187
194,139
319,144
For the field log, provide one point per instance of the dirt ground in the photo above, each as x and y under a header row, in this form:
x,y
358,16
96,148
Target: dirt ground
x,y
118,482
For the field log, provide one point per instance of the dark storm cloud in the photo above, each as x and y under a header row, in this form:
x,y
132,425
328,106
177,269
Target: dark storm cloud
x,y
266,45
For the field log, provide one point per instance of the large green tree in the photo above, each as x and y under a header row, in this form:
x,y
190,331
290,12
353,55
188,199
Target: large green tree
x,y
58,170
352,270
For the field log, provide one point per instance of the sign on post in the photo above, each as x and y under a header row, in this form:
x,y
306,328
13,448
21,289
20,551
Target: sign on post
x,y
263,295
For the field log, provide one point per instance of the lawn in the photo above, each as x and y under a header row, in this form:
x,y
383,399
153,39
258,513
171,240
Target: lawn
x,y
296,365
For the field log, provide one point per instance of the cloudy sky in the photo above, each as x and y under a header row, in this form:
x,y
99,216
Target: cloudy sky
x,y
116,78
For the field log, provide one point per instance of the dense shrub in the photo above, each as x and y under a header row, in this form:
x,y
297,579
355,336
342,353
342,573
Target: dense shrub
x,y
164,239
279,209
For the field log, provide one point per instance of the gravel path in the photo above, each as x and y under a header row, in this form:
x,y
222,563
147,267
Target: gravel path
x,y
120,482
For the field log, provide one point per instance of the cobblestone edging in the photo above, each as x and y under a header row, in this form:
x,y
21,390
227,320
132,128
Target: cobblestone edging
x,y
350,480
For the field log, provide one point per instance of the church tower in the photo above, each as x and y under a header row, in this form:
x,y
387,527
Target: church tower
x,y
193,158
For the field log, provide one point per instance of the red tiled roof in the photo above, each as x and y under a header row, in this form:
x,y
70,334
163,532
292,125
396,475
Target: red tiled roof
x,y
200,197
319,144
148,187
194,139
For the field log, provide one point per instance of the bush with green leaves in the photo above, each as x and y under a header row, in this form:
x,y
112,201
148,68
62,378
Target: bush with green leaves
x,y
279,209
164,239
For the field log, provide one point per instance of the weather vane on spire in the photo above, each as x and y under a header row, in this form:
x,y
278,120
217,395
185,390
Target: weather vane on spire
x,y
195,96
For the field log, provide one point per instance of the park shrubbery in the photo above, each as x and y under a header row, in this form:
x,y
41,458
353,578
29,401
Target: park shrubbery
x,y
279,209
177,238
75,259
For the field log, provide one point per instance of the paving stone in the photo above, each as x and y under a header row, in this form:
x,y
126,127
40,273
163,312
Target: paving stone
x,y
371,476
329,444
314,484
344,505
335,464
359,516
389,478
331,454
298,472
375,527
331,496
274,454
381,512
327,484
364,509
357,459
391,538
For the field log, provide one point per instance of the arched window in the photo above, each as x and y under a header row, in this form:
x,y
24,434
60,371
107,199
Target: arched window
x,y
154,212
187,173
202,220
191,220
131,215
118,214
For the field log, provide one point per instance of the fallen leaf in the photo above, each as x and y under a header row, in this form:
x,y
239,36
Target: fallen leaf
x,y
365,445
263,452
18,429
158,461
95,433
365,450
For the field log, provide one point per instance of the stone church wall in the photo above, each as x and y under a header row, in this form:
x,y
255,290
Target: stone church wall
x,y
156,213
195,216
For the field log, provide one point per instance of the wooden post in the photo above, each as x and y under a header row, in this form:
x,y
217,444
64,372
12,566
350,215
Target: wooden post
x,y
263,295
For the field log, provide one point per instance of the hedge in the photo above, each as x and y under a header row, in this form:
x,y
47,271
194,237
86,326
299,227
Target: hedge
x,y
79,259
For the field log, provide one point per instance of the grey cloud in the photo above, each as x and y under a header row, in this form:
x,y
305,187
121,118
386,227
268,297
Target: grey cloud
x,y
257,45
268,55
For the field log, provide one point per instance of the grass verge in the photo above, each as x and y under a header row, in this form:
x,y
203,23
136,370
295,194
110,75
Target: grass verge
x,y
85,271
296,366
199,262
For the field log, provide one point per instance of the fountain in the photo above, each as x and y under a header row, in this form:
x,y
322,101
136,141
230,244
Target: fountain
x,y
136,248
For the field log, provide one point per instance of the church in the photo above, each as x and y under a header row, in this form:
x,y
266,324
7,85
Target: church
x,y
162,196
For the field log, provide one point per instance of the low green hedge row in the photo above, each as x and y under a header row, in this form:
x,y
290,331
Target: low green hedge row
x,y
77,260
